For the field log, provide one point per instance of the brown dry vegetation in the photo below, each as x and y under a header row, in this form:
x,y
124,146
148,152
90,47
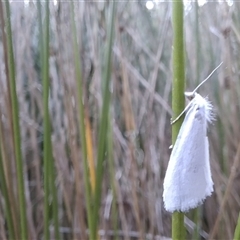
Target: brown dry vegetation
x,y
140,115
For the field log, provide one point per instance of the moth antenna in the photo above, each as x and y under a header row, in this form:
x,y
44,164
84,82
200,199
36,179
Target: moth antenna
x,y
206,78
178,117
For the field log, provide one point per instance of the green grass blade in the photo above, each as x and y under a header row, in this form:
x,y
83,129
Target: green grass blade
x,y
5,192
102,141
47,155
79,84
16,129
15,214
237,229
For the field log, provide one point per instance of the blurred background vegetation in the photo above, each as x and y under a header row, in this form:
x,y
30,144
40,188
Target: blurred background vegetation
x,y
108,132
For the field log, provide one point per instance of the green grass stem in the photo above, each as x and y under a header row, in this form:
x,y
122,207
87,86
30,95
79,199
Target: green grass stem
x,y
79,83
5,192
178,99
47,155
14,212
237,229
102,140
16,129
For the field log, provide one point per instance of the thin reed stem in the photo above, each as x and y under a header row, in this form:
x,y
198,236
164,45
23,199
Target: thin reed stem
x,y
5,193
237,229
16,129
3,148
102,139
79,84
178,99
47,155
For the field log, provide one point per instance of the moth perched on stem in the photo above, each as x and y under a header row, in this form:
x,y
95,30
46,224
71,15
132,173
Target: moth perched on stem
x,y
188,178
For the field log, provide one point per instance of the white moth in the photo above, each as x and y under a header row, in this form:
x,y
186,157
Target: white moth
x,y
188,178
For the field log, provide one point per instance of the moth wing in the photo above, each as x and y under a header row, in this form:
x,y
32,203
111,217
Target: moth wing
x,y
188,178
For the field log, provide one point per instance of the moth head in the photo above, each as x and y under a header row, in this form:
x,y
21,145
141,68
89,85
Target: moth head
x,y
190,95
